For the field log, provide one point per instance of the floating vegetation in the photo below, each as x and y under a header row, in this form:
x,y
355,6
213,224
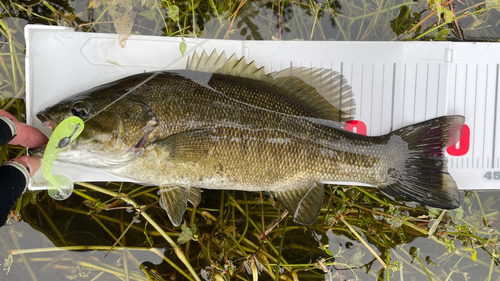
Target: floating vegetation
x,y
117,231
222,238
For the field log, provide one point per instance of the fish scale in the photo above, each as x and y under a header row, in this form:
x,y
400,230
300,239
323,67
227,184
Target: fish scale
x,y
278,133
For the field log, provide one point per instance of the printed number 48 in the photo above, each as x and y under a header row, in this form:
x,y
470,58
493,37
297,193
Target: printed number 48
x,y
496,175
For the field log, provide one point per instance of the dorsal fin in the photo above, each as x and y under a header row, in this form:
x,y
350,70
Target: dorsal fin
x,y
321,93
324,88
223,65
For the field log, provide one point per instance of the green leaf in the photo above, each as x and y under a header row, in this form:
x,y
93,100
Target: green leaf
x,y
493,4
328,251
183,238
186,235
447,15
438,8
488,202
402,22
450,245
474,253
173,12
183,47
434,213
26,199
435,5
457,214
6,95
342,194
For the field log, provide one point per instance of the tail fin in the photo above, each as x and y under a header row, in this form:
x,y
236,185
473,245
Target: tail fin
x,y
426,179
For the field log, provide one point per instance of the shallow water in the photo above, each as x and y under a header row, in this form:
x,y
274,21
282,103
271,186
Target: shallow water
x,y
460,248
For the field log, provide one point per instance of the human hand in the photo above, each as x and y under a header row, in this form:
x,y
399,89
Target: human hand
x,y
15,174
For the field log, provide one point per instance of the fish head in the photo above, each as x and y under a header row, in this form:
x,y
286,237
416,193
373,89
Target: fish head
x,y
115,129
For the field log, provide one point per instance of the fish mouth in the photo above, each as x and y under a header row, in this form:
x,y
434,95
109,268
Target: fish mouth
x,y
47,121
37,152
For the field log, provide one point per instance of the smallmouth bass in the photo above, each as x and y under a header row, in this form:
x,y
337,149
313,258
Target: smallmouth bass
x,y
225,124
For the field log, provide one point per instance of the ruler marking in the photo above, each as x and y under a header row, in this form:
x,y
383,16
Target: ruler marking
x,y
484,118
474,122
352,79
415,93
465,88
404,96
495,120
437,96
426,91
455,94
393,93
465,105
361,94
382,103
340,100
371,99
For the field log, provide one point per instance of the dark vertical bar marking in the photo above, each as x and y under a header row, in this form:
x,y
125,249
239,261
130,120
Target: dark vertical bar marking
x,y
404,95
415,93
495,121
455,94
371,100
437,96
382,98
426,91
341,80
352,78
475,117
393,94
465,103
484,117
361,94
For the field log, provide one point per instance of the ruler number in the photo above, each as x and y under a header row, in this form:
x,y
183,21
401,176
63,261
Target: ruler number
x,y
492,175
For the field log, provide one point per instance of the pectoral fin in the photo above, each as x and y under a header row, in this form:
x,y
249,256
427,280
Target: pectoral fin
x,y
189,146
174,200
304,203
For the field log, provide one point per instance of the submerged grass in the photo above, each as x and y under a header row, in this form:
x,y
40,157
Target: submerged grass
x,y
225,237
236,235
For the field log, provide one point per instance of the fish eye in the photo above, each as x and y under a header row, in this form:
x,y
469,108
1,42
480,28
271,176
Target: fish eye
x,y
79,109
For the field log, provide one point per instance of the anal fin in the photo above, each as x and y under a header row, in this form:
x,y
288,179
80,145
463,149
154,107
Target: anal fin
x,y
304,203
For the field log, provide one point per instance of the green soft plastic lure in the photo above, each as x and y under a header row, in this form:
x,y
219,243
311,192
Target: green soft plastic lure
x,y
60,187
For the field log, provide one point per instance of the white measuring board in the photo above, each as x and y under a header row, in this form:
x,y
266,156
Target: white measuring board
x,y
395,84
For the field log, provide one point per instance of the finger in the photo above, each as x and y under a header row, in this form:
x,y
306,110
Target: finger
x,y
8,115
28,136
31,162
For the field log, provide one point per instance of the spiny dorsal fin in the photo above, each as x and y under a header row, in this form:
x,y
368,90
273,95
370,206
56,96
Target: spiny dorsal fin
x,y
323,93
325,89
173,199
222,65
304,203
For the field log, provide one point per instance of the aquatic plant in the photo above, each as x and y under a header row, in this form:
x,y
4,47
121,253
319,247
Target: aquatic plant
x,y
361,233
